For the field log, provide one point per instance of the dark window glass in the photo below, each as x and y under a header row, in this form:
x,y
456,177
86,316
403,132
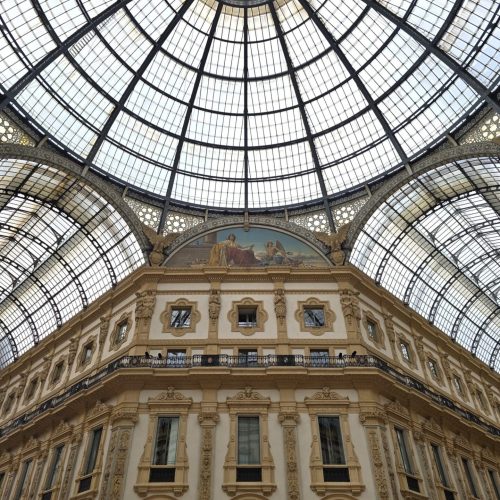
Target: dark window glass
x,y
403,450
470,479
247,316
31,389
176,356
180,317
58,370
372,330
165,451
87,353
314,317
458,385
248,440
436,452
405,350
247,356
319,357
54,468
332,449
433,368
22,480
92,452
121,332
493,480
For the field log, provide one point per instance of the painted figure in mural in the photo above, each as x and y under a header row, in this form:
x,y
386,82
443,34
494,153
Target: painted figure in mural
x,y
229,253
275,254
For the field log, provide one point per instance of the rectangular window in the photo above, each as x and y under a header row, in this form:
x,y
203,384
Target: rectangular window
x,y
54,469
372,330
248,449
9,403
314,317
176,357
480,398
247,317
458,385
180,317
405,350
121,332
436,453
57,373
332,450
494,484
319,357
165,451
22,480
90,462
470,478
87,353
31,389
247,357
403,450
433,368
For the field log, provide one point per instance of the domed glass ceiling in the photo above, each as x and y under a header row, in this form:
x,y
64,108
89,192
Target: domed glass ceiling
x,y
247,104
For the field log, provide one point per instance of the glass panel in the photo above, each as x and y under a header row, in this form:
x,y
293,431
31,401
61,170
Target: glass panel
x,y
470,478
403,450
54,468
436,452
22,480
330,435
92,453
247,316
248,441
314,317
166,441
181,317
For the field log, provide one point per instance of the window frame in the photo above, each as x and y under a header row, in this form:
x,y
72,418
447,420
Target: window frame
x,y
121,330
248,403
471,476
168,404
328,403
167,321
247,303
315,303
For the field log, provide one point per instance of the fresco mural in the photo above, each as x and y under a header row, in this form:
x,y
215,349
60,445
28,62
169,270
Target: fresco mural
x,y
257,247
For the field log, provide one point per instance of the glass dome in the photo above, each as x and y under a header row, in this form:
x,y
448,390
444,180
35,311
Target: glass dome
x,y
247,104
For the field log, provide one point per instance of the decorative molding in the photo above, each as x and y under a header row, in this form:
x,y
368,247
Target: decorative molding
x,y
289,418
82,362
103,331
280,306
379,339
145,304
397,409
335,242
208,420
378,465
170,395
115,342
326,394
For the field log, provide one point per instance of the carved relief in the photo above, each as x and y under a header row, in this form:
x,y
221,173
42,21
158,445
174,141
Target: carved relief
x,y
350,308
103,331
73,347
158,243
378,465
335,241
70,467
145,305
214,304
392,476
208,421
327,394
280,306
289,421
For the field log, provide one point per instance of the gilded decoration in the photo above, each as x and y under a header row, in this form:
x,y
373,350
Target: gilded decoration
x,y
246,328
169,322
314,303
169,402
118,338
249,402
335,241
373,329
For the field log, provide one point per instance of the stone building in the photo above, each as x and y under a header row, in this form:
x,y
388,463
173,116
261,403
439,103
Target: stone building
x,y
249,250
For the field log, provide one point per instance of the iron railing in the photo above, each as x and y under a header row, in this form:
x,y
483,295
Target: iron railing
x,y
247,361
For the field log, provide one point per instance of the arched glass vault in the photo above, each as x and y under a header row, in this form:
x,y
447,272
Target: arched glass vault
x,y
435,244
247,105
62,245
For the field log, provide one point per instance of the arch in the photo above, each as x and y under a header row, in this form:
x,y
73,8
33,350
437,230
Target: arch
x,y
432,240
64,242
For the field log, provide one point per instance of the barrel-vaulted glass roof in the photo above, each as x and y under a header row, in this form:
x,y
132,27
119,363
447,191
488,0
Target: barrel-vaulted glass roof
x,y
62,245
247,104
435,244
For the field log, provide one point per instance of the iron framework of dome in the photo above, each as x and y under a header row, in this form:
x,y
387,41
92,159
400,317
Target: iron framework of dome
x,y
244,106
241,106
